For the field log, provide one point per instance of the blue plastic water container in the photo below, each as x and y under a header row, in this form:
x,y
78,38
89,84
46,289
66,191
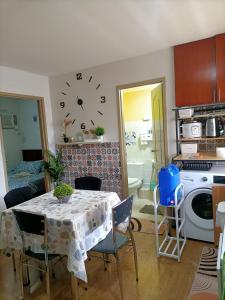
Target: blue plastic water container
x,y
169,179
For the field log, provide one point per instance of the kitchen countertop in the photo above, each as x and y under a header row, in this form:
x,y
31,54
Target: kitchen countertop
x,y
200,156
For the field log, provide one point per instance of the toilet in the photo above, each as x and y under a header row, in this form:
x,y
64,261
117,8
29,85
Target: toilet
x,y
135,177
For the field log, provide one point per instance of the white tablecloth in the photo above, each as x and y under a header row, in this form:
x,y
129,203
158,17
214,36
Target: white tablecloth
x,y
73,228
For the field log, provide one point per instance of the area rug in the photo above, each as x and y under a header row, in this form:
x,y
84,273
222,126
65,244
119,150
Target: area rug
x,y
205,285
145,226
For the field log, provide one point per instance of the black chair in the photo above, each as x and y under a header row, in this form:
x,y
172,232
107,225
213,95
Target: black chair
x,y
117,238
88,183
17,196
34,224
13,198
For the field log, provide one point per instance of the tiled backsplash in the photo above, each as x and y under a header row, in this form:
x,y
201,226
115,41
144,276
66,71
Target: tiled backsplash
x,y
210,145
101,160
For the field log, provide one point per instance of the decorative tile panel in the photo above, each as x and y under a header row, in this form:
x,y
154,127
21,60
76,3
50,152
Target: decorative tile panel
x,y
100,160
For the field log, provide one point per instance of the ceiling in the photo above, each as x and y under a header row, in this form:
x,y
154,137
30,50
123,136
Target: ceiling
x,y
52,37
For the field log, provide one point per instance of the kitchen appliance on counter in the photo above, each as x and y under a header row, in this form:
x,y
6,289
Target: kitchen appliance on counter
x,y
198,207
192,130
212,127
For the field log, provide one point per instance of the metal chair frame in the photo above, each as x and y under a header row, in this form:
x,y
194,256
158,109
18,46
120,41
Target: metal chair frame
x,y
130,242
25,259
8,205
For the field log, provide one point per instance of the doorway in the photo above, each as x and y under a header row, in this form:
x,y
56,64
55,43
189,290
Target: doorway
x,y
143,141
23,139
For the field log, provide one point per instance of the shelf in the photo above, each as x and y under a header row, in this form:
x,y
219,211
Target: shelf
x,y
81,143
203,116
200,156
201,139
203,106
167,245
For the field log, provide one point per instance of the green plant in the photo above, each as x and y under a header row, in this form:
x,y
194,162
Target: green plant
x,y
99,131
62,190
54,165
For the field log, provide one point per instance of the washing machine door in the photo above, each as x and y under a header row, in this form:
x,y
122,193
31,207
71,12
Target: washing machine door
x,y
198,208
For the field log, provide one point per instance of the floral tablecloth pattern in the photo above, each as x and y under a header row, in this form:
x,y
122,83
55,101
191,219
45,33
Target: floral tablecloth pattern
x,y
73,227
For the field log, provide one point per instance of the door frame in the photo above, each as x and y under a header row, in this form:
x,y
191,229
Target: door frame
x,y
123,158
43,128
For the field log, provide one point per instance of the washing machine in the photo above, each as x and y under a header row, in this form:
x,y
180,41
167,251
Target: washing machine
x,y
198,208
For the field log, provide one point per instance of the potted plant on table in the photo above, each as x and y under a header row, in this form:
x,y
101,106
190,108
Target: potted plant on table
x,y
63,191
54,166
99,131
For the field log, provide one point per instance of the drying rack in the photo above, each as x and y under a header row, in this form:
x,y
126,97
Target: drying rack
x,y
170,246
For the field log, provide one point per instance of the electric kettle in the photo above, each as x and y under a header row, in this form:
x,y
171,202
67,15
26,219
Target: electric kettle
x,y
212,127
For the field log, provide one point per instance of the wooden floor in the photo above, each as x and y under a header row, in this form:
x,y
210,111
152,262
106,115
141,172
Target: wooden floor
x,y
159,279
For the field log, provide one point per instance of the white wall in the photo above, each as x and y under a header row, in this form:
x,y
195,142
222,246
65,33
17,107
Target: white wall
x,y
151,66
31,136
12,137
26,135
21,82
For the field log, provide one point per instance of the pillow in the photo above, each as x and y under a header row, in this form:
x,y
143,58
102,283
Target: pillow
x,y
33,167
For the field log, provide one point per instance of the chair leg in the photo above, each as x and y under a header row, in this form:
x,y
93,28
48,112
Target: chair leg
x,y
119,274
48,283
104,261
14,262
52,270
135,254
21,276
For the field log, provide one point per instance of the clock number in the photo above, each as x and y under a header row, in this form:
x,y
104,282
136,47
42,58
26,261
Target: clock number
x,y
103,100
82,126
62,104
79,76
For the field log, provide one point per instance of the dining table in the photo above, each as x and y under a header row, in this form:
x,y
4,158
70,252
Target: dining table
x,y
74,227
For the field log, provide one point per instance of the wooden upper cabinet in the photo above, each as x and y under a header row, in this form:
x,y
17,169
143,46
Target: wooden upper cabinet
x,y
220,67
195,72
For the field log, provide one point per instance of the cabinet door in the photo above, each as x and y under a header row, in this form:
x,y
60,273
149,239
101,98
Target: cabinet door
x,y
218,195
220,67
195,72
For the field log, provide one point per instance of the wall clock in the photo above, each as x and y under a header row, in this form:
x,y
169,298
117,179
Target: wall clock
x,y
83,100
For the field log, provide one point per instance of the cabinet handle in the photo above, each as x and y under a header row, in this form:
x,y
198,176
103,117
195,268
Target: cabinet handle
x,y
214,95
219,94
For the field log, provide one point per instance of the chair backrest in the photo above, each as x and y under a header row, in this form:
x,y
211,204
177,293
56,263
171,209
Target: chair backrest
x,y
17,196
88,183
30,222
122,211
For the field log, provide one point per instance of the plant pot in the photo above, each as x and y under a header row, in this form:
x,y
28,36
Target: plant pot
x,y
64,199
100,138
66,139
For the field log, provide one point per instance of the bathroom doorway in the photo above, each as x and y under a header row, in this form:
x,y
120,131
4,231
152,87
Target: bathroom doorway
x,y
143,142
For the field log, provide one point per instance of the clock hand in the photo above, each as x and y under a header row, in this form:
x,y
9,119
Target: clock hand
x,y
80,102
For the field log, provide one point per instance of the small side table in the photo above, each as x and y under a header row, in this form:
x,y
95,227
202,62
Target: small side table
x,y
170,246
